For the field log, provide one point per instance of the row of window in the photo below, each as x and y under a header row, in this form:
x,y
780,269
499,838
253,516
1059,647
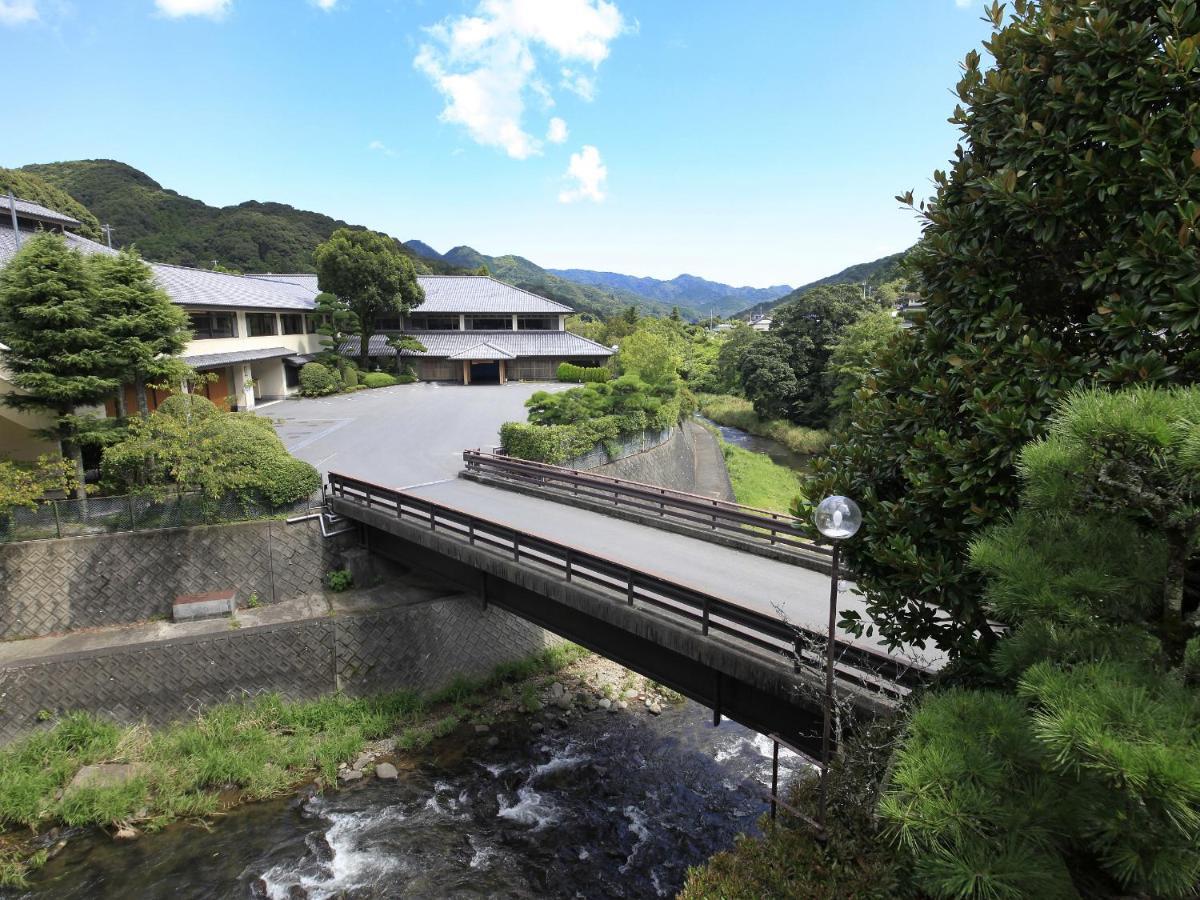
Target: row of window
x,y
224,324
473,323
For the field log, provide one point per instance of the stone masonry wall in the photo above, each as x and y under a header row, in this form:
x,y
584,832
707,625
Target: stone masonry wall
x,y
421,647
49,587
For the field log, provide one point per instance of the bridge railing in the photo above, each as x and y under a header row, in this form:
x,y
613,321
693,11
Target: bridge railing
x,y
747,522
865,667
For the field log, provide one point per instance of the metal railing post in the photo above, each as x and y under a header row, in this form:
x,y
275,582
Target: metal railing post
x,y
568,564
631,586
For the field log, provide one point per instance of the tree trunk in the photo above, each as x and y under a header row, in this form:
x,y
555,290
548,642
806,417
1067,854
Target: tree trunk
x,y
1178,546
72,451
122,412
139,390
364,350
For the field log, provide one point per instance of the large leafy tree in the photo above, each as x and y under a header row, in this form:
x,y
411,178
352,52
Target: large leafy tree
x,y
52,318
767,378
1061,248
855,353
367,272
146,329
809,327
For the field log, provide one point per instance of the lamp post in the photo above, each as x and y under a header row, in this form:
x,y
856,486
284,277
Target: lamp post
x,y
837,518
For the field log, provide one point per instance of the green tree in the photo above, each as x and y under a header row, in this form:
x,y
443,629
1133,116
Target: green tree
x,y
630,315
809,327
1060,250
52,318
767,377
855,353
729,356
1078,773
651,356
366,271
24,484
147,331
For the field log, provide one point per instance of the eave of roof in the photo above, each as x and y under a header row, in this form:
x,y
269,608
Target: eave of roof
x,y
208,360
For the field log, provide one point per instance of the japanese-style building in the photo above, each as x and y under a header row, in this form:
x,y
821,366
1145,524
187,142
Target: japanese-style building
x,y
253,333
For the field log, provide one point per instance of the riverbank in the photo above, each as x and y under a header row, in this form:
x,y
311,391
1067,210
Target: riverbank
x,y
737,412
86,772
757,479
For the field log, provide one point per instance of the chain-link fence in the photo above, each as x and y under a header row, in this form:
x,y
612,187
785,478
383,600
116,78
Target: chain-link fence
x,y
103,515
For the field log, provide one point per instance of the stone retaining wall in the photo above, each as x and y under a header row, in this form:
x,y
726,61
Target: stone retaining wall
x,y
625,446
420,647
54,586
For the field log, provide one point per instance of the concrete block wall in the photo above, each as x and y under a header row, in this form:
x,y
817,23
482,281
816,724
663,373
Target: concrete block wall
x,y
422,648
55,586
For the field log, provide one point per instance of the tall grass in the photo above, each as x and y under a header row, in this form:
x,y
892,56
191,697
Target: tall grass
x,y
760,481
737,412
250,750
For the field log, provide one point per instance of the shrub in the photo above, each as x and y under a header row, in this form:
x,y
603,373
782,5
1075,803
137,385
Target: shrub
x,y
379,379
580,374
348,375
339,580
406,378
317,381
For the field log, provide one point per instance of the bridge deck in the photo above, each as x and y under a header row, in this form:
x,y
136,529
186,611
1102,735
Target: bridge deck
x,y
773,588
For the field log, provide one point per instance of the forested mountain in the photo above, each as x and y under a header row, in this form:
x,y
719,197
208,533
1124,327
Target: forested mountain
x,y
168,227
877,272
599,301
686,291
36,189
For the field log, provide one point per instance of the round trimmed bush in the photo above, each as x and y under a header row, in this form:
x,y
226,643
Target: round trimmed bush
x,y
379,379
317,381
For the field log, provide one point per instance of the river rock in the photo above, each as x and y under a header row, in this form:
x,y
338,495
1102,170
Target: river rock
x,y
386,772
362,762
537,727
630,693
621,704
654,708
563,701
605,703
493,741
557,690
350,775
126,833
482,729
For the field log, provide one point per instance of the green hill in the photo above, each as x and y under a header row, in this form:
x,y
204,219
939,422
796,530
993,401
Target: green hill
x,y
30,186
872,273
169,227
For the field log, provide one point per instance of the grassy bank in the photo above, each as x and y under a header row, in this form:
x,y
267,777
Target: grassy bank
x,y
760,481
235,752
737,412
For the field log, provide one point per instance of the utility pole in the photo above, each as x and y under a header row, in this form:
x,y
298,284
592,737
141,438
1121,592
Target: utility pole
x,y
107,229
12,208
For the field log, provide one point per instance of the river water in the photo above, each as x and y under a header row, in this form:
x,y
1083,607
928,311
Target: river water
x,y
778,452
613,804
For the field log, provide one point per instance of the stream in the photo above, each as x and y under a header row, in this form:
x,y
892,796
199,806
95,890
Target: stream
x,y
778,452
611,804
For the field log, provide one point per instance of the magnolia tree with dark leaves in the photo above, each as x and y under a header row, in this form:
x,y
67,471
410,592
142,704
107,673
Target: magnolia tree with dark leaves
x,y
1061,250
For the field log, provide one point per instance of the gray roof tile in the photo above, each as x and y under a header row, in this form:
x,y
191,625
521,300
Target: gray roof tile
x,y
205,360
516,343
31,210
199,287
459,294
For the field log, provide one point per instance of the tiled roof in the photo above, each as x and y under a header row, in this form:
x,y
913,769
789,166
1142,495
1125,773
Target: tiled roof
x,y
516,343
8,241
206,360
483,351
459,294
30,210
200,287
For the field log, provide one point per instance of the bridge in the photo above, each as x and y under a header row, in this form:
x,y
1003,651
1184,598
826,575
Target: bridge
x,y
725,604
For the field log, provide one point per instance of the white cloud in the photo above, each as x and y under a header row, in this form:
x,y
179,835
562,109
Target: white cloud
x,y
486,64
17,12
326,4
589,174
381,147
579,83
556,132
963,4
176,9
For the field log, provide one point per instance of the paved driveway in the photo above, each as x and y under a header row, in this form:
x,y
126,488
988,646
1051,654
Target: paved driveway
x,y
404,435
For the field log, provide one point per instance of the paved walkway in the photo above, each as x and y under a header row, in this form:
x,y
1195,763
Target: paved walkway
x,y
771,587
712,476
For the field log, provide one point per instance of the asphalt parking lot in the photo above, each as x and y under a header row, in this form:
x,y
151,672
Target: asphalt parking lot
x,y
400,436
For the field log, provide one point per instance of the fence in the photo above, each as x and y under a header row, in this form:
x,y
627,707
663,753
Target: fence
x,y
130,512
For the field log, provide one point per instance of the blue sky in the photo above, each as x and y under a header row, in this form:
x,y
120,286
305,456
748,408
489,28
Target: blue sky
x,y
754,143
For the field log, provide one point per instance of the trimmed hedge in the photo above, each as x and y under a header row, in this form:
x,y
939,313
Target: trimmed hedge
x,y
379,379
581,374
317,381
406,378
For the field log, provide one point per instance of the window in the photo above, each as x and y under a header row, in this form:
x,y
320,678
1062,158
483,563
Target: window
x,y
213,325
537,323
312,323
291,323
435,323
387,323
261,324
489,323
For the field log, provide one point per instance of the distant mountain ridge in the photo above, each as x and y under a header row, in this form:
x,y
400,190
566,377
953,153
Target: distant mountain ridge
x,y
686,291
875,272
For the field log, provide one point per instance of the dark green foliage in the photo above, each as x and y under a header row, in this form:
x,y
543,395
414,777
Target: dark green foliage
x,y
52,320
379,379
1079,771
733,347
317,380
144,327
766,378
855,353
869,274
580,374
30,186
1060,250
406,378
188,444
339,580
366,272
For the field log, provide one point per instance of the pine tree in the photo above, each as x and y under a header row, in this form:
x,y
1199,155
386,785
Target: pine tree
x,y
147,329
52,319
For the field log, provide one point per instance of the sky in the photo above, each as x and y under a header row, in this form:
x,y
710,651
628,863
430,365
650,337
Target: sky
x,y
755,143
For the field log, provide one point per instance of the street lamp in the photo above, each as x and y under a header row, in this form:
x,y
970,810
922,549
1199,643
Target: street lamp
x,y
837,518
